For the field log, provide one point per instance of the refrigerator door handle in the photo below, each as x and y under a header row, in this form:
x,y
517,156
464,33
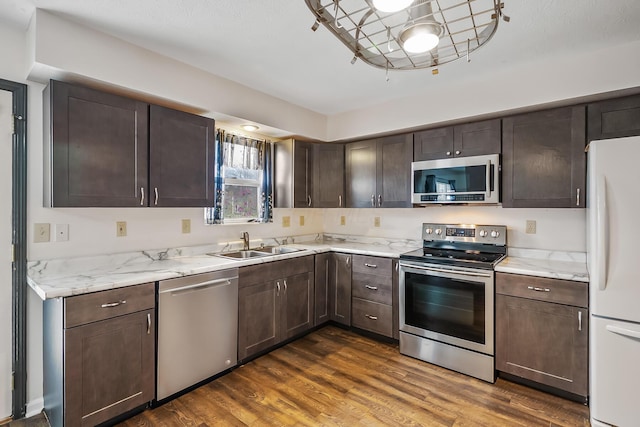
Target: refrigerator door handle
x,y
623,331
602,227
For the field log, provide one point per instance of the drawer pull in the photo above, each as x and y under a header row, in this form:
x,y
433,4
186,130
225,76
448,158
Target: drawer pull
x,y
370,265
580,321
373,288
368,316
113,304
535,288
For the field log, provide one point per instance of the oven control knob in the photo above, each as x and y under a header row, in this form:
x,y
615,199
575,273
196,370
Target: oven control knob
x,y
495,234
428,230
483,233
438,231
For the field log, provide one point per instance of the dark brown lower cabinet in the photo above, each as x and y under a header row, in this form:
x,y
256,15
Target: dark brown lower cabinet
x,y
373,294
340,288
538,336
100,352
275,302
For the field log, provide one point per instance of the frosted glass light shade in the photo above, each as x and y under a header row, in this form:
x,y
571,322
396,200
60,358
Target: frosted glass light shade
x,y
391,5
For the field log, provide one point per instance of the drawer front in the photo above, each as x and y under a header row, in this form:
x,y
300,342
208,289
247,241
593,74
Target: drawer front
x,y
543,289
372,288
372,265
88,308
372,316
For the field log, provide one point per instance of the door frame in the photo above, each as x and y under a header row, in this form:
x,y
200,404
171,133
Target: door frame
x,y
19,242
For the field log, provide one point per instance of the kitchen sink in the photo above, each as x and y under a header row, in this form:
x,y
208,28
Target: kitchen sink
x,y
276,250
242,254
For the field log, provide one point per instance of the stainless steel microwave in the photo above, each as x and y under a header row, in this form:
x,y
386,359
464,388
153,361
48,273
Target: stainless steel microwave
x,y
472,179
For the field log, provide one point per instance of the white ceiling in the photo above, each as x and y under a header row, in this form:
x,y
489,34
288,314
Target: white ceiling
x,y
268,44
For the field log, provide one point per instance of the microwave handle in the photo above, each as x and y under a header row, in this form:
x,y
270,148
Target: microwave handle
x,y
488,187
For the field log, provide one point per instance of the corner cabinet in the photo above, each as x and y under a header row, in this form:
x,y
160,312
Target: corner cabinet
x,y
542,330
469,139
543,159
276,302
106,150
100,351
379,172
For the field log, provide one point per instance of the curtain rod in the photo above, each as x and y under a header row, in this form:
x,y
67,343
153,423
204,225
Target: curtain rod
x,y
238,134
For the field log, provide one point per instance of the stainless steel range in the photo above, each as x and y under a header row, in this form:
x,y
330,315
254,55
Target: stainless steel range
x,y
447,297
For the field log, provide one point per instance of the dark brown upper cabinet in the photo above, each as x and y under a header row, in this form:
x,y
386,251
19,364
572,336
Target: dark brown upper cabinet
x,y
328,176
614,118
543,159
469,139
379,172
105,150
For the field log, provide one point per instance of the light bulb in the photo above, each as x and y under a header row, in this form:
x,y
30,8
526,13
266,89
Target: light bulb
x,y
420,37
391,5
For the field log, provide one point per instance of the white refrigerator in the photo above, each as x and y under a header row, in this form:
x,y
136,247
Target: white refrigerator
x,y
613,239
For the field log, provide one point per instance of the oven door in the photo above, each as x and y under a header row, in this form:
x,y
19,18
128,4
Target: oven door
x,y
448,304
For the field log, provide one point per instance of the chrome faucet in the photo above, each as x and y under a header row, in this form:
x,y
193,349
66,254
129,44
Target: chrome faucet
x,y
245,240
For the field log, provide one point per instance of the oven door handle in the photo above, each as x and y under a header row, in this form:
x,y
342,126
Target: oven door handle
x,y
450,271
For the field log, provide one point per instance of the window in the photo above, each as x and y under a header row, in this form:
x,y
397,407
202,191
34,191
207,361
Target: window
x,y
243,180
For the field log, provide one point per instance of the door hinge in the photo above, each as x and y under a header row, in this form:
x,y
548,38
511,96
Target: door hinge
x,y
13,123
13,382
13,253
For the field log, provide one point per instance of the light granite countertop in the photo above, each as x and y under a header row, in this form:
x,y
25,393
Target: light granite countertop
x,y
541,263
74,276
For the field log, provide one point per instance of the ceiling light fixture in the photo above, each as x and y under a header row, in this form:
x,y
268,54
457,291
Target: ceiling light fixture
x,y
391,5
412,35
250,128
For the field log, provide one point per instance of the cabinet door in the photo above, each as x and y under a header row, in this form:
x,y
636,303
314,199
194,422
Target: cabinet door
x,y
302,175
614,118
433,144
328,176
340,289
477,139
394,172
543,159
321,287
258,318
543,342
298,304
361,165
97,150
181,159
109,368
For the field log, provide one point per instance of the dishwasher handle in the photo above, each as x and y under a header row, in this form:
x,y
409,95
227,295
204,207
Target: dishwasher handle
x,y
207,284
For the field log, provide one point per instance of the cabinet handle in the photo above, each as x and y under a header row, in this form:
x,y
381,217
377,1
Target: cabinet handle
x,y
458,152
373,288
534,288
141,196
148,323
155,189
397,265
368,316
113,304
278,287
309,201
448,153
379,200
580,320
285,286
370,265
373,200
348,261
339,201
577,197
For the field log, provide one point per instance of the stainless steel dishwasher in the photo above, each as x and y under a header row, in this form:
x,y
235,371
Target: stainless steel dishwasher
x,y
197,329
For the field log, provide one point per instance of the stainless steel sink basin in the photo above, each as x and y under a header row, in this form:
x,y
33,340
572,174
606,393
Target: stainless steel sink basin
x,y
242,254
275,250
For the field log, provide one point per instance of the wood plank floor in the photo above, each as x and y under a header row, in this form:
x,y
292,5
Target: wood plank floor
x,y
333,377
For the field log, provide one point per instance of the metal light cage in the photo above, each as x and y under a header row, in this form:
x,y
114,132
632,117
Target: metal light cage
x,y
373,36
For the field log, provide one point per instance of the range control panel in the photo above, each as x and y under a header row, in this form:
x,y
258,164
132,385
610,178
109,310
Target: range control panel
x,y
471,233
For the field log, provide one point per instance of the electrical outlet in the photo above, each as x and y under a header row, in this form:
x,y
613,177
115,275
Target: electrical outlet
x,y
301,220
121,228
531,227
343,220
286,221
186,226
376,221
41,233
61,232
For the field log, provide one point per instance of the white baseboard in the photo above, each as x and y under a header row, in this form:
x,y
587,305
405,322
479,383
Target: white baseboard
x,y
35,407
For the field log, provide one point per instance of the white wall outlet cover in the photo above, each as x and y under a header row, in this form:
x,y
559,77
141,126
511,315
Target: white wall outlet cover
x,y
61,232
530,227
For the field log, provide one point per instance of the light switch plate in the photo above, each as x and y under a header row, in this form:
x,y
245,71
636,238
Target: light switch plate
x,y
41,233
376,221
61,232
121,228
343,220
531,227
286,221
186,226
301,220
